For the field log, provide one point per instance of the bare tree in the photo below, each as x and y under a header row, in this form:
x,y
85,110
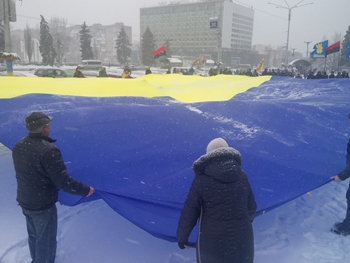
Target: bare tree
x,y
28,42
61,38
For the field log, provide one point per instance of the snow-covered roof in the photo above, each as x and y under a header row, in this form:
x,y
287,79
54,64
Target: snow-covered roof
x,y
300,61
174,60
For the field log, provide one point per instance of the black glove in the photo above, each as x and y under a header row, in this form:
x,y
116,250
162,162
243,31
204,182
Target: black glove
x,y
181,244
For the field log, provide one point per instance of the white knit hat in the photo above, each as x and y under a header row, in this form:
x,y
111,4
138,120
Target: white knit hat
x,y
215,144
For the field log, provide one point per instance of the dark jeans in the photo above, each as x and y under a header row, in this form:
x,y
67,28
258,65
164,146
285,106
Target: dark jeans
x,y
42,231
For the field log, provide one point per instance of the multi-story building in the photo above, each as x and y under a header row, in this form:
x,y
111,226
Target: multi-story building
x,y
202,26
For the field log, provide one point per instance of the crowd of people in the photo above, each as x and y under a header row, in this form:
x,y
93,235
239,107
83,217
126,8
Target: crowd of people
x,y
228,71
324,75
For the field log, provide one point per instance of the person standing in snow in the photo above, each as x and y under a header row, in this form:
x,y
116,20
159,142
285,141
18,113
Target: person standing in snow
x,y
40,174
223,203
343,228
78,73
148,71
102,73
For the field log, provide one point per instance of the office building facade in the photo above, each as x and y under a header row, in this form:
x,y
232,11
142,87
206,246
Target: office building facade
x,y
205,26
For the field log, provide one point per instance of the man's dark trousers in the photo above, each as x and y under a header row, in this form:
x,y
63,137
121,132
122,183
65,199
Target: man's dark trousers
x,y
42,231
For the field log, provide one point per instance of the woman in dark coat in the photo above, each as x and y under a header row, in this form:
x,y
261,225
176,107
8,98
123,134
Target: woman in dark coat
x,y
222,200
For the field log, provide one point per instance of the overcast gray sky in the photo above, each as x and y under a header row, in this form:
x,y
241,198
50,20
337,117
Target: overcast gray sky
x,y
308,23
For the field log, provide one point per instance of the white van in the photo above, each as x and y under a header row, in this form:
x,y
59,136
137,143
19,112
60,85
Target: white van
x,y
90,65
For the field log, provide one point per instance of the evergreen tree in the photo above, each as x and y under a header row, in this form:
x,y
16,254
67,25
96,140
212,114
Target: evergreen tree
x,y
123,47
344,50
147,47
85,43
28,42
46,44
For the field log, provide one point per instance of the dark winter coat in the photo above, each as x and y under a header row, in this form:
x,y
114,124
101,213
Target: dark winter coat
x,y
102,73
78,74
345,174
222,199
41,173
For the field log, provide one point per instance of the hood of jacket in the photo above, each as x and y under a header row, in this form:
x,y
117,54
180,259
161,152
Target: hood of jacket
x,y
223,164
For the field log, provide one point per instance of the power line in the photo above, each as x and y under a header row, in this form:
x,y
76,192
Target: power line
x,y
256,9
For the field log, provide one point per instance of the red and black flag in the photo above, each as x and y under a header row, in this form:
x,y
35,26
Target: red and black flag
x,y
333,48
159,52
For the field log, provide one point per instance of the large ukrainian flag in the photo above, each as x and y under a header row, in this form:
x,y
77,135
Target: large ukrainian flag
x,y
134,140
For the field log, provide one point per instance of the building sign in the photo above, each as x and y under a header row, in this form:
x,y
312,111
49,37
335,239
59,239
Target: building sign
x,y
213,24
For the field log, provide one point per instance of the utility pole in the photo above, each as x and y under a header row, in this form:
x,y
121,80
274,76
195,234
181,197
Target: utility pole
x,y
6,16
307,48
289,8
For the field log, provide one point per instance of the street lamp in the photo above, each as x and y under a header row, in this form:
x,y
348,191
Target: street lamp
x,y
289,8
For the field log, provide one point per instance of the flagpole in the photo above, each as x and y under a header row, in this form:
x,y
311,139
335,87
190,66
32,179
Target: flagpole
x,y
339,57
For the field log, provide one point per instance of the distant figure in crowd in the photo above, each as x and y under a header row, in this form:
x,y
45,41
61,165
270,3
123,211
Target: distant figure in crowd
x,y
148,71
223,203
78,73
102,72
212,72
191,71
40,174
218,68
343,228
331,76
126,72
168,71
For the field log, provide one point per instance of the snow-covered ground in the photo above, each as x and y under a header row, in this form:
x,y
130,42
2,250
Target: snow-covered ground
x,y
297,232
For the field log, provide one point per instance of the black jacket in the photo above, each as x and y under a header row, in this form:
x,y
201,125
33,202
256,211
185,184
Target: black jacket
x,y
345,174
222,199
41,173
78,74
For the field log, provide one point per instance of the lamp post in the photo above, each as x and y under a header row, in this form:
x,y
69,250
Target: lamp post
x,y
289,8
307,48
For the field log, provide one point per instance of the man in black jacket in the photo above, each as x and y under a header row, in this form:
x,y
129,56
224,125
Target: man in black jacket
x,y
343,228
40,174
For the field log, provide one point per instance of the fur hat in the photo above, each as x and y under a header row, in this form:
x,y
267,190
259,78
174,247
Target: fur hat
x,y
215,144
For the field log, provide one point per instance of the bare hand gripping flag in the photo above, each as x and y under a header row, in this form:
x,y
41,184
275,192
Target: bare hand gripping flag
x,y
159,52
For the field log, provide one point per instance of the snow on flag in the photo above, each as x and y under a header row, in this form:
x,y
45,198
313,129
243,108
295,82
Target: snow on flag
x,y
319,50
159,52
333,48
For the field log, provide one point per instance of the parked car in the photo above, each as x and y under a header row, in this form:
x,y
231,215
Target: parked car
x,y
50,72
91,65
90,74
18,74
2,66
